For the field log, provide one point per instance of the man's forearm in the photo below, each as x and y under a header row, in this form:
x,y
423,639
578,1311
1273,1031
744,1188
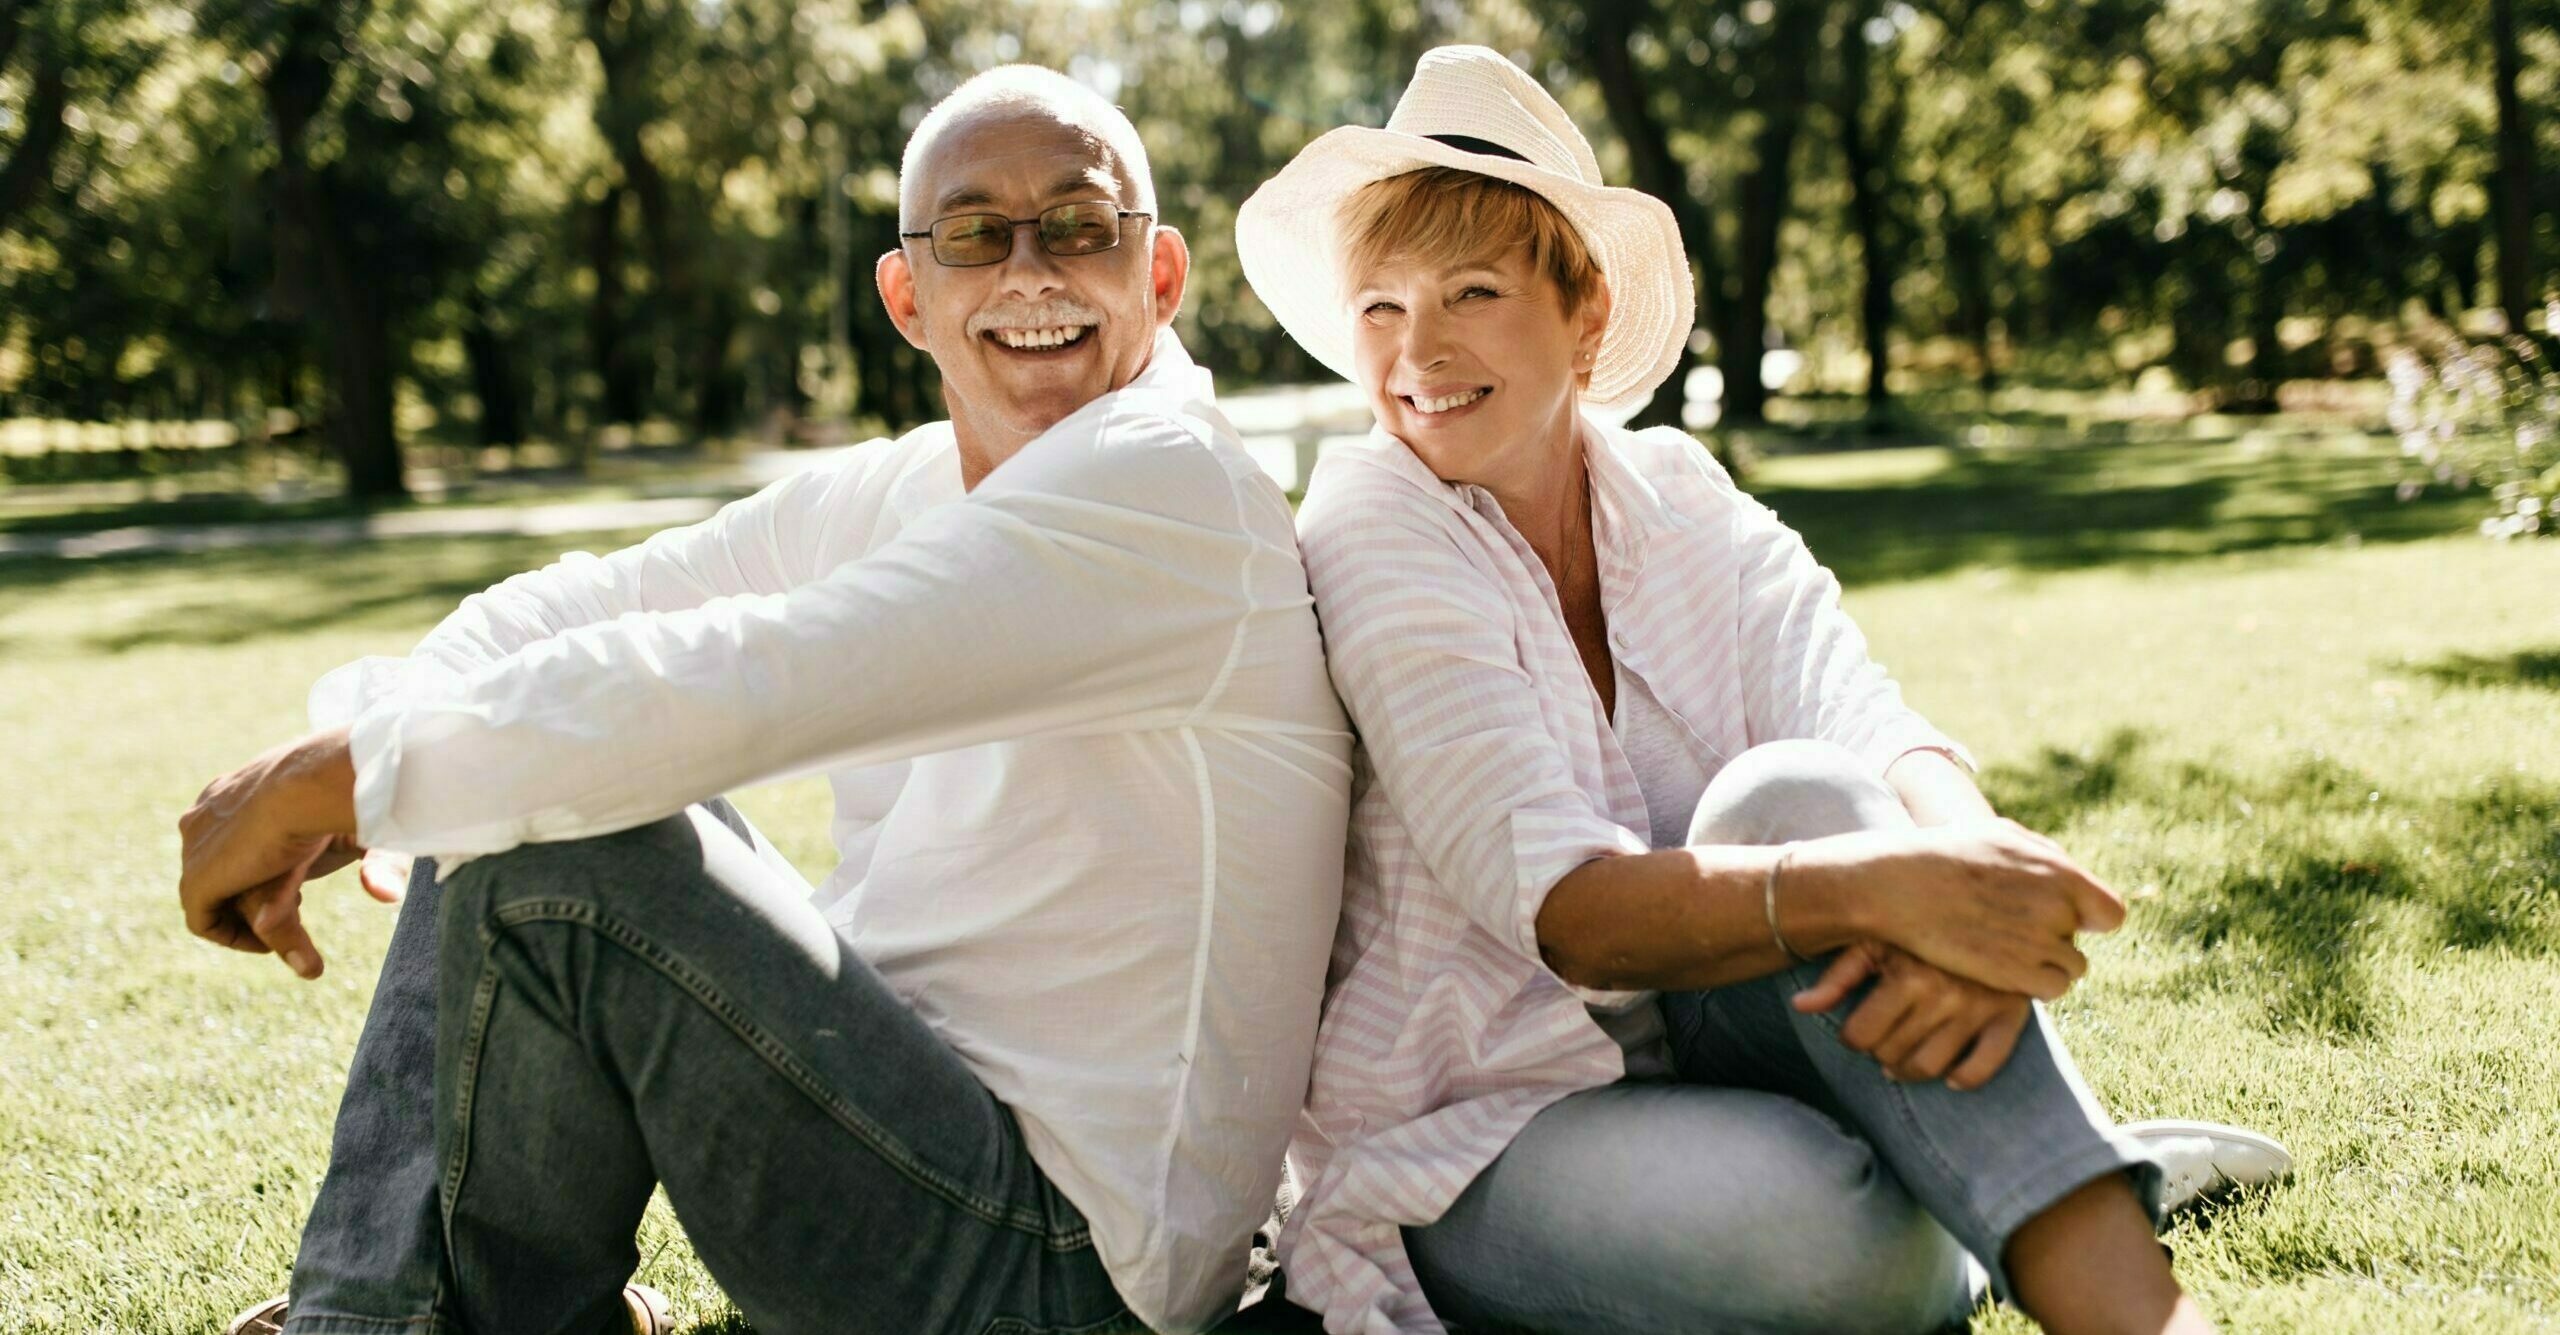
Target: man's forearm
x,y
323,788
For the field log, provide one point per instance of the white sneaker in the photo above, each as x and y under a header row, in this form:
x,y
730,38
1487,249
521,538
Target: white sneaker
x,y
2201,1161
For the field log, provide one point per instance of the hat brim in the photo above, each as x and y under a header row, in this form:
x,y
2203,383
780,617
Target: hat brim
x,y
1288,239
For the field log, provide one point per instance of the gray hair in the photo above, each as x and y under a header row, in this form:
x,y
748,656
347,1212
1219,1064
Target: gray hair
x,y
1027,88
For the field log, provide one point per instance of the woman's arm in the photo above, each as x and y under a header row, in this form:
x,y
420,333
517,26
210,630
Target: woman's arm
x,y
1988,901
1935,789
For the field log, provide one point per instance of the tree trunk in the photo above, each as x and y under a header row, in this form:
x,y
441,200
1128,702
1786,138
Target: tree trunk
x,y
718,391
2514,175
609,338
1767,194
1969,275
623,111
1869,159
2266,342
30,166
1608,26
495,378
352,321
1743,335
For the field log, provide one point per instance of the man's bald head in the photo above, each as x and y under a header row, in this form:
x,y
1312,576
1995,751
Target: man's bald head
x,y
1024,90
1024,340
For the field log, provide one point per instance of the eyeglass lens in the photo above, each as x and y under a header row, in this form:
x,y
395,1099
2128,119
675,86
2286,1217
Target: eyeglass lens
x,y
985,238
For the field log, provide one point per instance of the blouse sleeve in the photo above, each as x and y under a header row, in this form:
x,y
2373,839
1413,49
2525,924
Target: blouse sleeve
x,y
1805,669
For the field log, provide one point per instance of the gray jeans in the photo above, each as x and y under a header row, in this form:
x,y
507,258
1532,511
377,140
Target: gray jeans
x,y
657,1006
1780,1182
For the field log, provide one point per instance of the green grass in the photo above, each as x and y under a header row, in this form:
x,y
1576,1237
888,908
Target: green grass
x,y
2308,727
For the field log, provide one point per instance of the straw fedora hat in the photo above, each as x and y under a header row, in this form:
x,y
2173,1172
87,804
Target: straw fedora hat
x,y
1471,109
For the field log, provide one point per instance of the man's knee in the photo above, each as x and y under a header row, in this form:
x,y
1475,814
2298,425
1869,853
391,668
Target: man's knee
x,y
640,856
1781,791
632,876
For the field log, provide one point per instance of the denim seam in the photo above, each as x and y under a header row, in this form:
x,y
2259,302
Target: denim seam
x,y
780,1059
332,1323
484,994
1901,1102
2077,1169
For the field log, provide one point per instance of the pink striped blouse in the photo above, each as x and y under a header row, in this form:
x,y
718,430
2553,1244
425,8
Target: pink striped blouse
x,y
1487,771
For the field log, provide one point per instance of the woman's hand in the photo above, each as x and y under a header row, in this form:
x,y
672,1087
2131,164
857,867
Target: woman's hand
x,y
1919,1019
1989,901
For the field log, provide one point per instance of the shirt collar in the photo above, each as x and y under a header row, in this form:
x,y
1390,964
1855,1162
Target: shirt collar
x,y
1636,506
933,477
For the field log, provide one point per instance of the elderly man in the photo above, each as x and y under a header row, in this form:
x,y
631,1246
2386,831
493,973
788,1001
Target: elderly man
x,y
1028,1060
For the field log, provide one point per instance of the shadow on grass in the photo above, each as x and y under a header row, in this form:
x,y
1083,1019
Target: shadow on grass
x,y
236,595
2072,508
216,508
2539,668
2325,871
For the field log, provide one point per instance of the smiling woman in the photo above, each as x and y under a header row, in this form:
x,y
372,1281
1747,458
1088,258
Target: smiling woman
x,y
1659,895
1478,315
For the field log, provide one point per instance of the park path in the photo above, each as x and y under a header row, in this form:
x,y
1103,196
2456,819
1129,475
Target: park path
x,y
1283,428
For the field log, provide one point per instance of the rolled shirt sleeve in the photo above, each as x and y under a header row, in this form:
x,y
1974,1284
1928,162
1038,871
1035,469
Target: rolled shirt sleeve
x,y
1423,651
758,543
1095,578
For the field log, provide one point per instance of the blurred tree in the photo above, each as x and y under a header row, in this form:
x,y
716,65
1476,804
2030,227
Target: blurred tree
x,y
29,165
1870,130
2515,178
1752,65
478,222
330,235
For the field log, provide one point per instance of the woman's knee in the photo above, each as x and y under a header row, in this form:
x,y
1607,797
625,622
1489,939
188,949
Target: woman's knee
x,y
1813,1233
1793,789
1842,1245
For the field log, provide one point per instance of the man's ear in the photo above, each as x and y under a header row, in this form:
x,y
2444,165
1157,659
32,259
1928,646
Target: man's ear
x,y
1169,272
897,282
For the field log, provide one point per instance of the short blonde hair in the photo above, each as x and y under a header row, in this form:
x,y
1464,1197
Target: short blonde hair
x,y
1442,215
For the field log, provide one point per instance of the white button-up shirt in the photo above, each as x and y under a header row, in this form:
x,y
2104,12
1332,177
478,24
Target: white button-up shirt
x,y
1487,771
1090,779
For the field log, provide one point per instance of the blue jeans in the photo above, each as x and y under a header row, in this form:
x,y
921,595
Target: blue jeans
x,y
664,1006
1779,1181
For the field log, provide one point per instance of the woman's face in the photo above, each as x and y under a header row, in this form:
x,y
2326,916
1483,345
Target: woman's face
x,y
1475,364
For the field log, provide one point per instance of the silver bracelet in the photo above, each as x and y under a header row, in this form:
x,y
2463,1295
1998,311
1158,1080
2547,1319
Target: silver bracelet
x,y
1769,904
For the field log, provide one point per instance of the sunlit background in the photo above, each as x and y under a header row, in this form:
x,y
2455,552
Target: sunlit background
x,y
335,229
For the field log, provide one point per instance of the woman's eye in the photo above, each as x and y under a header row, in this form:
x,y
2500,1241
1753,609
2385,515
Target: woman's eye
x,y
1474,292
1380,308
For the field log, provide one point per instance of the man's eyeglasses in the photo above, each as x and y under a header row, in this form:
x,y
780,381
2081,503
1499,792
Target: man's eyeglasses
x,y
967,240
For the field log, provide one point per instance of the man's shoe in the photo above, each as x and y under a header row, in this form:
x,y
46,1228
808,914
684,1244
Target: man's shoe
x,y
650,1314
2203,1161
264,1319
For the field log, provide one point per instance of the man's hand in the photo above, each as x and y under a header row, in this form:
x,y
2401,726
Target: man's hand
x,y
1920,1019
256,834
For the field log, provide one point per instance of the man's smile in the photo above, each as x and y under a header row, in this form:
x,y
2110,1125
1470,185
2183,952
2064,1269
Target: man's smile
x,y
1052,339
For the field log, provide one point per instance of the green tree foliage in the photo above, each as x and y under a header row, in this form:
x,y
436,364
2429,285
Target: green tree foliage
x,y
483,222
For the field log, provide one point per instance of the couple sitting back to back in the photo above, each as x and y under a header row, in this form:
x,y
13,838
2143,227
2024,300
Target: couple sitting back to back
x,y
1676,975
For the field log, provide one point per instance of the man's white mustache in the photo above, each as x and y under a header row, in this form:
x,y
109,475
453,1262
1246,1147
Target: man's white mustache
x,y
1049,314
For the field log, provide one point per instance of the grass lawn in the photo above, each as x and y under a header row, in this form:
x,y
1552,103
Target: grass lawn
x,y
2309,727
